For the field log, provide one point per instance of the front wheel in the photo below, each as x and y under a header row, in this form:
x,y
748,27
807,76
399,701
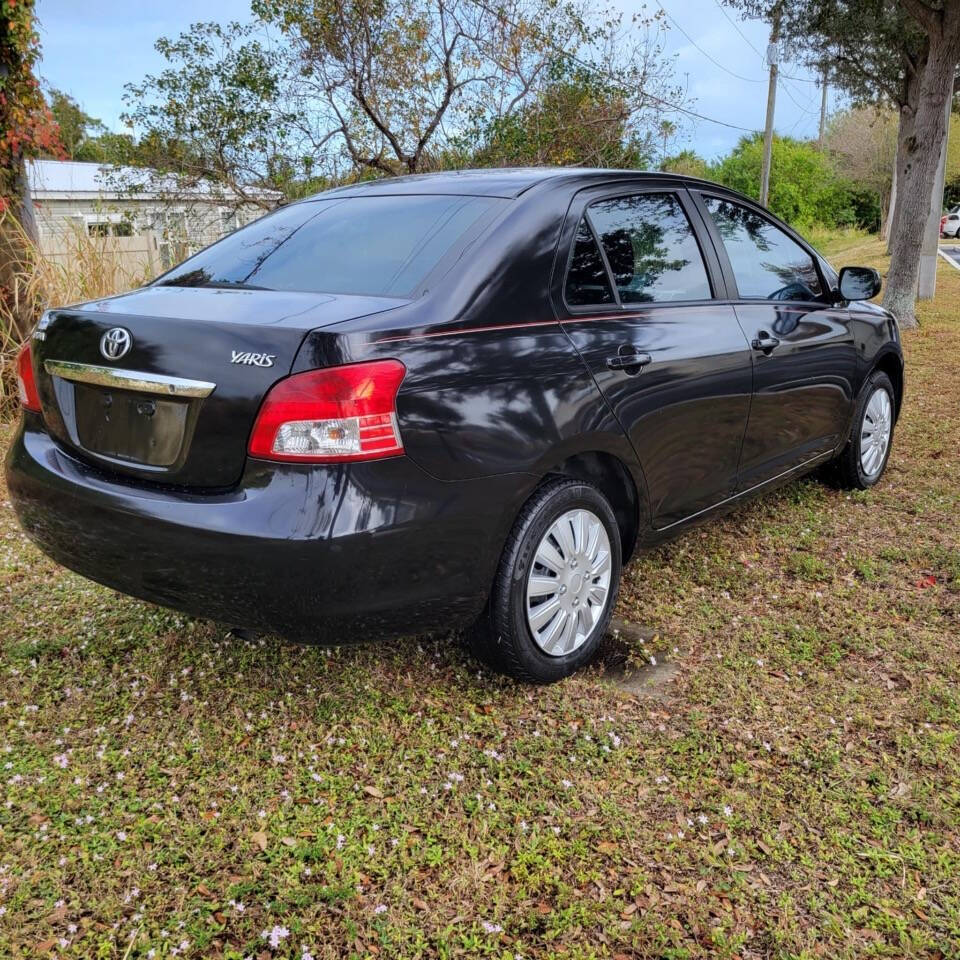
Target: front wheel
x,y
555,587
864,459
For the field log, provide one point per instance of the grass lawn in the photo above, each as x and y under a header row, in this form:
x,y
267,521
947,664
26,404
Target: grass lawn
x,y
793,792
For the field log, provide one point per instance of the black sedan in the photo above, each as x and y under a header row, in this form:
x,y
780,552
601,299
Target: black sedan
x,y
456,401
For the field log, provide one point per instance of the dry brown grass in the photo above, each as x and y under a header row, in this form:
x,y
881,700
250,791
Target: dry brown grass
x,y
88,270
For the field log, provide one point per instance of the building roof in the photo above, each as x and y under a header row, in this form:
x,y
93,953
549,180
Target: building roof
x,y
73,180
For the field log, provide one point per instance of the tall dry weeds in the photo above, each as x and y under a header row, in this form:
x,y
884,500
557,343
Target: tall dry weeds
x,y
85,268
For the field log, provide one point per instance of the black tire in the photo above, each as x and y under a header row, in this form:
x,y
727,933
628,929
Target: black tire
x,y
848,467
502,637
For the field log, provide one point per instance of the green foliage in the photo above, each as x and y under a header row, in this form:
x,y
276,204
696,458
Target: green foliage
x,y
217,112
951,194
26,126
312,92
551,129
804,188
688,163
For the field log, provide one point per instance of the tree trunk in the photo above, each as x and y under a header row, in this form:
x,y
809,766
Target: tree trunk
x,y
916,174
889,229
18,242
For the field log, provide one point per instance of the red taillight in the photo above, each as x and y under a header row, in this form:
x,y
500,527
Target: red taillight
x,y
331,415
26,384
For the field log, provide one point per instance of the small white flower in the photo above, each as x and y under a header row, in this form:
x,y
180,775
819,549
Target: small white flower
x,y
274,936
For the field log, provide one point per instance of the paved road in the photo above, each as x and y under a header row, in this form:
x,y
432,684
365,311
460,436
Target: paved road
x,y
952,254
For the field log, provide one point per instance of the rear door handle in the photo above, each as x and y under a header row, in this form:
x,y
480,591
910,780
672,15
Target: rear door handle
x,y
628,361
766,343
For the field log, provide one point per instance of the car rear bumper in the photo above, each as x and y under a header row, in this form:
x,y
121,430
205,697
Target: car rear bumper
x,y
322,553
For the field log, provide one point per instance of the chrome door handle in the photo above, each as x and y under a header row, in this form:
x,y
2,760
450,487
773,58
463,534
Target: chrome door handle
x,y
629,361
766,343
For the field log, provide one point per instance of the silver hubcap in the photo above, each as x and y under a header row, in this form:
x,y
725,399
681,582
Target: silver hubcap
x,y
875,431
569,583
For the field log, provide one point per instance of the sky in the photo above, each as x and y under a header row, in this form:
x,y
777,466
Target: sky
x,y
92,49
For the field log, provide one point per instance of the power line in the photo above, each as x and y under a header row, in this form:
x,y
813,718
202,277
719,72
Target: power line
x,y
796,103
715,62
610,76
801,79
746,39
733,23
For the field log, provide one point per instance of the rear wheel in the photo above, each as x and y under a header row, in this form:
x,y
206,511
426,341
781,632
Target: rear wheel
x,y
555,587
864,459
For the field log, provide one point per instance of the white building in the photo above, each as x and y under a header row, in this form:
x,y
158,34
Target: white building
x,y
154,224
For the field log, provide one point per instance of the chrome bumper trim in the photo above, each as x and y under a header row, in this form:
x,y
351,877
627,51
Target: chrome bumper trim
x,y
128,379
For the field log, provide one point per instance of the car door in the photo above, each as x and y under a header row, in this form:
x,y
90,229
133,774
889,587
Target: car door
x,y
805,357
636,297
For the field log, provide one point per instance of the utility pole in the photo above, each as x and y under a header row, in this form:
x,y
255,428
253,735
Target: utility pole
x,y
773,58
927,282
823,109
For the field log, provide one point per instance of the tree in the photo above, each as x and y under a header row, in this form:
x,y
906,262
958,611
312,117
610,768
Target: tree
x,y
79,132
401,78
218,117
27,130
580,116
804,189
667,130
904,52
862,144
688,163
319,91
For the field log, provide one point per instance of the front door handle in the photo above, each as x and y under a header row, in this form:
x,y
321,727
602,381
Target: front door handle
x,y
630,362
765,342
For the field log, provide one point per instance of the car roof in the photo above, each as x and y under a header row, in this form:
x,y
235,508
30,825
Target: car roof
x,y
492,182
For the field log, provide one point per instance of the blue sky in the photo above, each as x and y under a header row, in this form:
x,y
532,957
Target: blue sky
x,y
92,49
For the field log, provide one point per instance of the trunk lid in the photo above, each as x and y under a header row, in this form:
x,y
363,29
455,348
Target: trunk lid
x,y
173,395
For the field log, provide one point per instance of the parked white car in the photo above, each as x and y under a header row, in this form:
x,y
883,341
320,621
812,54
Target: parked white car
x,y
950,223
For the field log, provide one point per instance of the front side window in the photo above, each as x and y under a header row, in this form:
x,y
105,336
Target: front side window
x,y
376,246
651,248
766,263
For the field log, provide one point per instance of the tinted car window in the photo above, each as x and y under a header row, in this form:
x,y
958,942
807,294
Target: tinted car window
x,y
651,248
362,245
766,263
587,279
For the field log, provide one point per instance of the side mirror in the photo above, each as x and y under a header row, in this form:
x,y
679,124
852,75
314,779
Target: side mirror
x,y
859,283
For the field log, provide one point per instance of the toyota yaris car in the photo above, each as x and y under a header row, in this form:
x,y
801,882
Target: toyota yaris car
x,y
447,402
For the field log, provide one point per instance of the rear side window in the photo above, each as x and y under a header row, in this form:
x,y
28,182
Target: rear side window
x,y
651,248
378,246
587,279
766,263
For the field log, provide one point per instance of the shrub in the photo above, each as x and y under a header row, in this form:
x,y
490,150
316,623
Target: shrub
x,y
87,269
804,189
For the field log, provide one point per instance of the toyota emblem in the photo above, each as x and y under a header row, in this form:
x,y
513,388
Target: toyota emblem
x,y
116,343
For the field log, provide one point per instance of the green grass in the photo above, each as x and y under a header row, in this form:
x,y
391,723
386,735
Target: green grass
x,y
794,793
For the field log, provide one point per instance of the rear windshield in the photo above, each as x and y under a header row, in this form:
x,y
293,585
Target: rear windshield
x,y
378,246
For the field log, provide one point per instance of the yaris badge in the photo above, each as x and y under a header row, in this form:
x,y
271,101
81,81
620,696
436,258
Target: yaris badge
x,y
252,359
116,343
